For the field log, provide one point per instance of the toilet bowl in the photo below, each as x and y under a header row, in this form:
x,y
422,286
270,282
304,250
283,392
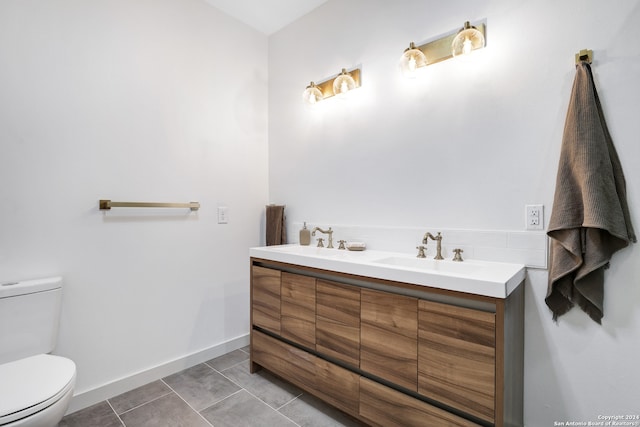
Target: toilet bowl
x,y
35,391
35,387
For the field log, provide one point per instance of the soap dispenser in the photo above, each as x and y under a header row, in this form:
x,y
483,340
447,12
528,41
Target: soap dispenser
x,y
305,235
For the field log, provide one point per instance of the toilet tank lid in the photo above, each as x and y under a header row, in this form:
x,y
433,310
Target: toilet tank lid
x,y
11,289
28,382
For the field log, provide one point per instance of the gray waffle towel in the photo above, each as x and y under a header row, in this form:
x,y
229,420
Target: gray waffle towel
x,y
590,218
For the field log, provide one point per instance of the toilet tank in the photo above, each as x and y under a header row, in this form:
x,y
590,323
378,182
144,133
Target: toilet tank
x,y
29,317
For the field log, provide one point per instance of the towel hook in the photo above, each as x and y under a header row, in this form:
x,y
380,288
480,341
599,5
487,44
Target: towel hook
x,y
584,55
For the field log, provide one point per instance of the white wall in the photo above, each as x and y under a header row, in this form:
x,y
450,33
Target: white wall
x,y
135,100
466,147
132,101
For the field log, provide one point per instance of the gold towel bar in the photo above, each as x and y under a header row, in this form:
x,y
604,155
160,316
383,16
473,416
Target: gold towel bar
x,y
584,55
108,204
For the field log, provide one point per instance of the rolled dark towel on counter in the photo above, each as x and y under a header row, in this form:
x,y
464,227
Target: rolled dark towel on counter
x,y
276,232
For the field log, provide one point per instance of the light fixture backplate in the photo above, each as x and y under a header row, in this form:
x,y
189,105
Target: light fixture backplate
x,y
326,87
440,50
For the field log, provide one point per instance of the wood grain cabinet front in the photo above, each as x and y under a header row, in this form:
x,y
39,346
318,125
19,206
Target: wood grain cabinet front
x,y
457,357
338,321
298,310
389,337
265,298
385,407
331,383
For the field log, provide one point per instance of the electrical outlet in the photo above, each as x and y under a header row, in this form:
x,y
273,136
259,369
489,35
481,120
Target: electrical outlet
x,y
534,217
223,215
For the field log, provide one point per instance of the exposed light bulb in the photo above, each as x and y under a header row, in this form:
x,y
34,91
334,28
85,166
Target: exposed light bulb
x,y
467,46
343,84
312,94
412,64
412,60
467,40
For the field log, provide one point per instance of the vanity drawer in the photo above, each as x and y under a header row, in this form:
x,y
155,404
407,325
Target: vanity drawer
x,y
331,383
386,407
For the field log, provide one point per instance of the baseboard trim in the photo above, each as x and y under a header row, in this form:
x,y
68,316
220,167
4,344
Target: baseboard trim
x,y
84,399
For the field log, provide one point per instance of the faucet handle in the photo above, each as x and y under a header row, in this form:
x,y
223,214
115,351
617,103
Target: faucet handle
x,y
341,244
421,249
320,244
457,256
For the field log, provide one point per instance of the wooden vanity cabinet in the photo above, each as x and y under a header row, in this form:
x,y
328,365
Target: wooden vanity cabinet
x,y
387,353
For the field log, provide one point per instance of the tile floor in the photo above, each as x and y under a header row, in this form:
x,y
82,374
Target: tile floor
x,y
220,393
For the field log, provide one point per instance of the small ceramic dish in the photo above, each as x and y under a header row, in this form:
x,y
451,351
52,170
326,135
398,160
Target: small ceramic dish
x,y
356,246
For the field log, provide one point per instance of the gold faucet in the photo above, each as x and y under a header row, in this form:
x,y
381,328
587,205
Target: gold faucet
x,y
438,239
329,232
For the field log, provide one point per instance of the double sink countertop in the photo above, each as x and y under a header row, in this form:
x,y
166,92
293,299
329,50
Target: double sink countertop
x,y
492,279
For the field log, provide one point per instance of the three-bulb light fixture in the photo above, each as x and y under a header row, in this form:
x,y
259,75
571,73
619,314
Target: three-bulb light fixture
x,y
340,85
462,42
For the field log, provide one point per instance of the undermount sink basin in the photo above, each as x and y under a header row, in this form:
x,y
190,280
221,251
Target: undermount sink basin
x,y
440,266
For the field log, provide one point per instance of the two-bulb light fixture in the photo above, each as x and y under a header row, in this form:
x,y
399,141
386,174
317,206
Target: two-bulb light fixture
x,y
340,85
462,42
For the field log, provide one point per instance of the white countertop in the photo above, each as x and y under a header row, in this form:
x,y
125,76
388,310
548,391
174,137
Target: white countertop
x,y
493,279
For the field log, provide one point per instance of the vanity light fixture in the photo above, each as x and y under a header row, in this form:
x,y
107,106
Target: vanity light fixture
x,y
340,85
463,41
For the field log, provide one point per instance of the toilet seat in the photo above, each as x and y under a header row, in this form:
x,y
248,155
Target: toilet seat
x,y
29,385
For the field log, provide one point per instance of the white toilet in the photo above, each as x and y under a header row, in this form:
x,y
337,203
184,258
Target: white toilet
x,y
35,387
